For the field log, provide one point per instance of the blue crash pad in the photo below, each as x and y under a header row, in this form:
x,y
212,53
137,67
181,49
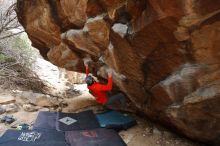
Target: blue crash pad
x,y
32,138
115,120
66,121
46,120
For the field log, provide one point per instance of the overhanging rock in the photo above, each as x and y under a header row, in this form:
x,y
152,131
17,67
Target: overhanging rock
x,y
165,54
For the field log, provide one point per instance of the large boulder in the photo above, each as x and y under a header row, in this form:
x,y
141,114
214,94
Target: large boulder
x,y
38,99
165,54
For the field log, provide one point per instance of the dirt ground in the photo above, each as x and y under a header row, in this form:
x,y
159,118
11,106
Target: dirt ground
x,y
145,133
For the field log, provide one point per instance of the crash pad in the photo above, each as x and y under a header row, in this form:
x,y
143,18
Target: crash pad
x,y
95,137
76,121
45,120
32,138
116,120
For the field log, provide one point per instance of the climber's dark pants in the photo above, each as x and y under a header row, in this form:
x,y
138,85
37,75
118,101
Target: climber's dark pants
x,y
114,100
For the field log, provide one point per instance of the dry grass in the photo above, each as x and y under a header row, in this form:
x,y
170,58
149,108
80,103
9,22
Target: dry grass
x,y
15,76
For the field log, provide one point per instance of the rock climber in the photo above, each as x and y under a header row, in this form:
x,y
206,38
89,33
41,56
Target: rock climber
x,y
99,90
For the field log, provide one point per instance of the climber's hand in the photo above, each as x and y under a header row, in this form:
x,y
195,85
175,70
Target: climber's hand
x,y
110,74
86,65
87,61
109,71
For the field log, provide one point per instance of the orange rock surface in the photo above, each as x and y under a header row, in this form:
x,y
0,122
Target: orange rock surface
x,y
165,53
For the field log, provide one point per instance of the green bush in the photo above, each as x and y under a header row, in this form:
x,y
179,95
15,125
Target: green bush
x,y
18,49
27,52
2,57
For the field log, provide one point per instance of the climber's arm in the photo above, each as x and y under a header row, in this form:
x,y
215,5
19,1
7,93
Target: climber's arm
x,y
108,86
87,69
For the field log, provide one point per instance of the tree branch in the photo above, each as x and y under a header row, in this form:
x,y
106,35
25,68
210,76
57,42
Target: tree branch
x,y
11,35
8,20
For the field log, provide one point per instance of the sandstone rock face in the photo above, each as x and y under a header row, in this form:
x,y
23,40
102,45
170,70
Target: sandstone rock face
x,y
38,99
165,54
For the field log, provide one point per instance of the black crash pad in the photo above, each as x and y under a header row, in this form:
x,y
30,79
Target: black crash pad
x,y
32,138
76,121
96,137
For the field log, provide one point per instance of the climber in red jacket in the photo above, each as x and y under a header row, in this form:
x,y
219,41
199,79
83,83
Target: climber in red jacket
x,y
99,91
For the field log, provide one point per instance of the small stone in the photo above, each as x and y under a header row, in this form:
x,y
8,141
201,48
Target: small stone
x,y
176,141
2,110
10,108
29,108
59,109
44,109
6,99
156,131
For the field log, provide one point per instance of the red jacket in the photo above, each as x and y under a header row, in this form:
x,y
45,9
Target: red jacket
x,y
100,90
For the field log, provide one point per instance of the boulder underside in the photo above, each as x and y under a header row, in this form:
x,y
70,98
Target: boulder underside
x,y
165,54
